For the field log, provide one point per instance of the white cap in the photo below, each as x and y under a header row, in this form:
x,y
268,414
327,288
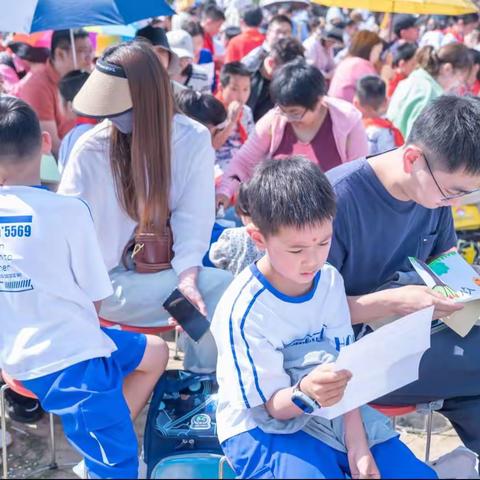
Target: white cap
x,y
181,43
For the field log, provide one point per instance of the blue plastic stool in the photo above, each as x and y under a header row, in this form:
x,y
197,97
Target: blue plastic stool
x,y
193,465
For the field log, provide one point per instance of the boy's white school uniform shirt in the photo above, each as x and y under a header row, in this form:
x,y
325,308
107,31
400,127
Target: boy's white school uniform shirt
x,y
51,271
253,323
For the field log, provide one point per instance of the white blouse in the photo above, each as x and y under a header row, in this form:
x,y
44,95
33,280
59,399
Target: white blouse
x,y
191,201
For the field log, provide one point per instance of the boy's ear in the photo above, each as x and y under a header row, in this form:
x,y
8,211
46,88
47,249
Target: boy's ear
x,y
411,155
256,236
46,143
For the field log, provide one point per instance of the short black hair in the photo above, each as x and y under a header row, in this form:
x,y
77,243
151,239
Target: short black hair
x,y
233,68
252,16
371,90
20,133
241,205
71,83
213,12
231,32
286,50
448,129
202,107
297,83
405,52
292,192
61,39
155,35
193,28
468,18
475,59
280,19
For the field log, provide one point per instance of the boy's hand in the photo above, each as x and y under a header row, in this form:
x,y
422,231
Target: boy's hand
x,y
412,298
362,463
325,385
234,111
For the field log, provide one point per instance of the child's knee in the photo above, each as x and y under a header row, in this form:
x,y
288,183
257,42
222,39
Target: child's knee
x,y
156,354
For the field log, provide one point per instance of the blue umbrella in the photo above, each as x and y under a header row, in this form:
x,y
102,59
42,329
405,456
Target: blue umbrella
x,y
29,16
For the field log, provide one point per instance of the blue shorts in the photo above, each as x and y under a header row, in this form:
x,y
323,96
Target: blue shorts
x,y
88,397
256,454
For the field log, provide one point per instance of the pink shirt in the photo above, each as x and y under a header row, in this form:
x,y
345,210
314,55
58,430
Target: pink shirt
x,y
318,55
346,76
347,130
321,150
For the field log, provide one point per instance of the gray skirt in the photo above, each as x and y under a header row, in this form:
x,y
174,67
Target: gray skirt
x,y
137,300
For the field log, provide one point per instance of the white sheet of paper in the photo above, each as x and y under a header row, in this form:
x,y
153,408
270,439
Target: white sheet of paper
x,y
382,361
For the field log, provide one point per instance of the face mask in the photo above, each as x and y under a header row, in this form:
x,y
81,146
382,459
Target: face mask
x,y
124,122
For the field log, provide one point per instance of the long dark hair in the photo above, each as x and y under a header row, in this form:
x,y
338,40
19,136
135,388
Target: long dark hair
x,y
141,161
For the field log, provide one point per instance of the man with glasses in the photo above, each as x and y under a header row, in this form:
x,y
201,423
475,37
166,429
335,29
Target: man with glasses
x,y
397,205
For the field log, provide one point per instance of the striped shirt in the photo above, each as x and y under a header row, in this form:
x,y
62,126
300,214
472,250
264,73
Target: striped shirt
x,y
253,323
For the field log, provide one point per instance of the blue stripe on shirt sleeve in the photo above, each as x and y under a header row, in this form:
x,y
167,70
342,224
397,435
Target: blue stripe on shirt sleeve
x,y
242,332
232,344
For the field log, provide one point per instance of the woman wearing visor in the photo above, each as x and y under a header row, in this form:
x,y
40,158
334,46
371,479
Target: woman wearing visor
x,y
144,167
305,121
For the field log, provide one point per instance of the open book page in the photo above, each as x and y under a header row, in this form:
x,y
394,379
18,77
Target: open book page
x,y
382,361
453,270
453,277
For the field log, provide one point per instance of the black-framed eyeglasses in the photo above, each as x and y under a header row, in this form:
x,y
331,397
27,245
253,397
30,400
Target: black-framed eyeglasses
x,y
292,118
446,198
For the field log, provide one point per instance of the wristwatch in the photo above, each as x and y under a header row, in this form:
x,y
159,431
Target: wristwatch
x,y
302,400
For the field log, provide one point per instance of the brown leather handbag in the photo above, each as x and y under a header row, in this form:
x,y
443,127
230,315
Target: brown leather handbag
x,y
149,252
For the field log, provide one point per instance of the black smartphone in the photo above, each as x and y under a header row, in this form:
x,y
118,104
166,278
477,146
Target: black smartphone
x,y
187,315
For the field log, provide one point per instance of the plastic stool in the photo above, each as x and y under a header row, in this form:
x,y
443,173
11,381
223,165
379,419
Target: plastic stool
x,y
133,328
193,465
145,330
423,408
17,387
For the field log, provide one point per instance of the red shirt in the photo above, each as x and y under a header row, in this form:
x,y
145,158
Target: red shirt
x,y
393,83
322,150
40,90
208,43
243,44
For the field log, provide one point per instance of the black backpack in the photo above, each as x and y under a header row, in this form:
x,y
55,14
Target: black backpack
x,y
181,417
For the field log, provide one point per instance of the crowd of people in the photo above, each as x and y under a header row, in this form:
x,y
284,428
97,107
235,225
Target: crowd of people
x,y
288,160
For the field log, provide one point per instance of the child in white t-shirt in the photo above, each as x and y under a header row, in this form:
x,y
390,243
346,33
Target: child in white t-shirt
x,y
235,85
291,297
52,281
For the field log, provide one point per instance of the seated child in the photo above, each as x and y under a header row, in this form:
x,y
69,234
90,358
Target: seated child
x,y
69,86
292,298
207,110
234,250
404,63
52,281
234,92
371,100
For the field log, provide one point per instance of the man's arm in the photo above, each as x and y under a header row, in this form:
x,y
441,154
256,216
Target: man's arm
x,y
396,302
